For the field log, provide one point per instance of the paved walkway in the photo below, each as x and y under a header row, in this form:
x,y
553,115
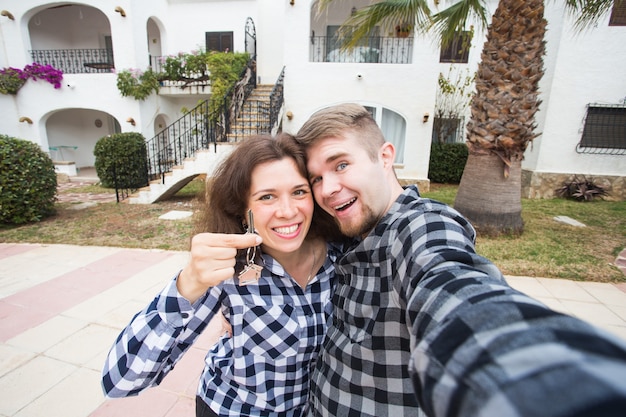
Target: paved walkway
x,y
62,306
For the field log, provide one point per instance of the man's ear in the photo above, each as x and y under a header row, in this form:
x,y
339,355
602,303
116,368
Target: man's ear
x,y
387,154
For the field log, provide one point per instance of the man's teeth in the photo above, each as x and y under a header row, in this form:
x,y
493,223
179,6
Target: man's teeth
x,y
286,230
345,204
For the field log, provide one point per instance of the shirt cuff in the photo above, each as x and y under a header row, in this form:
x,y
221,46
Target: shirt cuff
x,y
173,308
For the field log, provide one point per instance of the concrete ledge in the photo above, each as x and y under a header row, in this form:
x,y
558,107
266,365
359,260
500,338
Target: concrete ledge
x,y
65,167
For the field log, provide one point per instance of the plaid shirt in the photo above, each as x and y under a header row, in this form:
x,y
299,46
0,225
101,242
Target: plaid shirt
x,y
263,370
414,295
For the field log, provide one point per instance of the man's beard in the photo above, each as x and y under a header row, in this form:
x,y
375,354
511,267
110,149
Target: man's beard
x,y
355,228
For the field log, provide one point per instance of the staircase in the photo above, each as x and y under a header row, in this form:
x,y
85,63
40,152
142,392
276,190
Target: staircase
x,y
203,162
254,115
254,118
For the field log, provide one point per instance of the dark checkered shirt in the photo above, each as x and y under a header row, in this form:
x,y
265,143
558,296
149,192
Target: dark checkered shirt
x,y
414,296
263,370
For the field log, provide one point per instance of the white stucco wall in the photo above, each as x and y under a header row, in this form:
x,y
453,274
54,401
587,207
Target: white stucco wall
x,y
581,68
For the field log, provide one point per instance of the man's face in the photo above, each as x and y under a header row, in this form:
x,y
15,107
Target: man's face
x,y
348,184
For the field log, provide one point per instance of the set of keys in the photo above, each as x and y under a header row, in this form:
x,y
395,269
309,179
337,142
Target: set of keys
x,y
251,272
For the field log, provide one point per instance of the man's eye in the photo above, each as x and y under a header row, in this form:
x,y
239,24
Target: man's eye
x,y
315,180
342,166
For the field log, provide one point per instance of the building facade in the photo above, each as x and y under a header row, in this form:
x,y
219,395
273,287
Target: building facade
x,y
392,73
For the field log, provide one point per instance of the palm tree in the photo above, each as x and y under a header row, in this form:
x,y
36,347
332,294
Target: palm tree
x,y
502,122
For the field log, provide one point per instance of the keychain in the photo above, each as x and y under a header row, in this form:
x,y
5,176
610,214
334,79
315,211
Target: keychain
x,y
251,272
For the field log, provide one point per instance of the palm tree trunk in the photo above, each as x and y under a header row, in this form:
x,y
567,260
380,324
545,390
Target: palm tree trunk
x,y
503,117
490,201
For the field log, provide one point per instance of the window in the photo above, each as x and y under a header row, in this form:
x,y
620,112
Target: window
x,y
458,49
219,41
448,129
618,14
393,126
604,130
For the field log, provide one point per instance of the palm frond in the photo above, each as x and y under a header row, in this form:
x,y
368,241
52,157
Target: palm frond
x,y
386,14
588,12
447,23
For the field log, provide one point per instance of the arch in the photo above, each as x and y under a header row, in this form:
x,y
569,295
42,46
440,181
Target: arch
x,y
250,38
74,133
156,39
73,37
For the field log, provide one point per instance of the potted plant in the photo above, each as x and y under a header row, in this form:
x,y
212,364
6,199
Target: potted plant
x,y
403,30
11,80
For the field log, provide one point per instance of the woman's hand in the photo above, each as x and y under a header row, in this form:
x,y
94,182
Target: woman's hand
x,y
212,261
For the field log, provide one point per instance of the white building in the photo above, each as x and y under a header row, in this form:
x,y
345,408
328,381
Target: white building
x,y
395,76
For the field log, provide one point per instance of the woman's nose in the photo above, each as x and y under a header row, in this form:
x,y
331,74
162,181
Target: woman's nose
x,y
286,208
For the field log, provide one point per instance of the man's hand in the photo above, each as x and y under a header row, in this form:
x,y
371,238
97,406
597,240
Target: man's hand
x,y
212,261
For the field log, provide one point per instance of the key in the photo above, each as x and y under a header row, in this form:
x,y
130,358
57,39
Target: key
x,y
251,272
250,222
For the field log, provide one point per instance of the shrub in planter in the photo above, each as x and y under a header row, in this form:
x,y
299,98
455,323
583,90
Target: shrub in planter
x,y
121,158
447,162
11,80
581,189
28,183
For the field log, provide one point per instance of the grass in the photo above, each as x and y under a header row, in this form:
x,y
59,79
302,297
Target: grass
x,y
546,249
551,249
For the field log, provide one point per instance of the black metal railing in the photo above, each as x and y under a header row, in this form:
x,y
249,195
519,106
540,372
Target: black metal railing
x,y
76,61
276,100
375,50
253,120
180,140
235,98
157,62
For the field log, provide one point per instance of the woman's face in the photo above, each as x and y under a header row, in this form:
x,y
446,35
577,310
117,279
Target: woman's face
x,y
282,205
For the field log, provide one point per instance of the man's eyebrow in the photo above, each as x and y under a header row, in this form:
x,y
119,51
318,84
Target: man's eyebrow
x,y
328,160
336,156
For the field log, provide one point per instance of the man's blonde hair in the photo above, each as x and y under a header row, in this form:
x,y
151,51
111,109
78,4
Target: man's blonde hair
x,y
335,121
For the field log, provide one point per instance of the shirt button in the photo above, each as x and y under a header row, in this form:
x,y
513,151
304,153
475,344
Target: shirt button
x,y
185,315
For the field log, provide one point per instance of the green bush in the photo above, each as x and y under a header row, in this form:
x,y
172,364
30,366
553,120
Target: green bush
x,y
225,69
122,157
137,84
447,162
28,183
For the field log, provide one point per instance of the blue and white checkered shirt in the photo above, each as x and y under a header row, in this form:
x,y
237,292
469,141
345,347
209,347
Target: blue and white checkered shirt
x,y
419,317
263,370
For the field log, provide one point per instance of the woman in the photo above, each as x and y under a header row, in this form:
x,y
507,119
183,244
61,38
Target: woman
x,y
277,323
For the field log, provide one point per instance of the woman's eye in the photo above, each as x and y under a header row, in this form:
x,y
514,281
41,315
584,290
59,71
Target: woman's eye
x,y
266,197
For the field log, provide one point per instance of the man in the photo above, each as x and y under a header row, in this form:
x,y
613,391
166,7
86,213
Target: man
x,y
420,320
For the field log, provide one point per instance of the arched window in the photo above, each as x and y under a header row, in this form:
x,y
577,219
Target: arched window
x,y
393,126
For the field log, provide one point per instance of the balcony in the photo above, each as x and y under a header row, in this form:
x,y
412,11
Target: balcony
x,y
373,50
189,82
76,61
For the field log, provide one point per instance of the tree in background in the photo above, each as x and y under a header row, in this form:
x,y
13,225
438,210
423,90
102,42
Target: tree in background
x,y
453,96
502,120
